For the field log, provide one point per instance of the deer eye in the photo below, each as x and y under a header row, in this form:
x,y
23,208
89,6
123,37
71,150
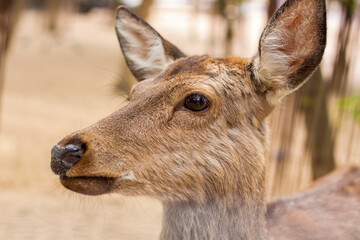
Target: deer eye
x,y
196,102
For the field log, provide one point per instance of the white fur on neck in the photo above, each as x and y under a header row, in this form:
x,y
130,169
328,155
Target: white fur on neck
x,y
214,219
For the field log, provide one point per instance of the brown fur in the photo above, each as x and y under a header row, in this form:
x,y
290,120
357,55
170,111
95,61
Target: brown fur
x,y
328,210
208,167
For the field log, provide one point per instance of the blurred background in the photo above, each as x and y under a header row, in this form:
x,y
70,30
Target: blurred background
x,y
61,69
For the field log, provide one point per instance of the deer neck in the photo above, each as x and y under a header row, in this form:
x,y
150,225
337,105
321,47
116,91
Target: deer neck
x,y
212,219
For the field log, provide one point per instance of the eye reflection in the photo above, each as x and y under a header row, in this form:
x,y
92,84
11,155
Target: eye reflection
x,y
196,102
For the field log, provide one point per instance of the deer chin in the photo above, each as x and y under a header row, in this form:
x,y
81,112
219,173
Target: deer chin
x,y
88,185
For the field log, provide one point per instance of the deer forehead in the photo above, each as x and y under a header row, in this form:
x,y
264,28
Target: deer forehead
x,y
215,77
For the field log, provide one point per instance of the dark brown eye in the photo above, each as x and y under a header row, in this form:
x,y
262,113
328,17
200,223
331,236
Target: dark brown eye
x,y
196,102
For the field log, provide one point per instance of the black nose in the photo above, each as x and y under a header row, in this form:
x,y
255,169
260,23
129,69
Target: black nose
x,y
64,158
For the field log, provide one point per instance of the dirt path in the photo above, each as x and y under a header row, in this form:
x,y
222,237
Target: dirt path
x,y
43,215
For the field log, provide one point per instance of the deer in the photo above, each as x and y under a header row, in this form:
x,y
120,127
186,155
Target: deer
x,y
194,135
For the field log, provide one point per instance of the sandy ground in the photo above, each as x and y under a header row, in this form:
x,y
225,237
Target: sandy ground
x,y
63,215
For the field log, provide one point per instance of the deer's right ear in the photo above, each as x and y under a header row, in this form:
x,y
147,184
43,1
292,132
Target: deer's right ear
x,y
290,48
145,51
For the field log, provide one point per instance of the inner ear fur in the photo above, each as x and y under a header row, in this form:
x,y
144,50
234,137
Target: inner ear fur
x,y
146,52
290,48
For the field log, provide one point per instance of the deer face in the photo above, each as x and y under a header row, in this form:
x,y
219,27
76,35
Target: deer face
x,y
179,135
194,126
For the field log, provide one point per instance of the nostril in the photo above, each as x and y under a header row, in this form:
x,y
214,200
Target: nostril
x,y
65,157
83,147
72,155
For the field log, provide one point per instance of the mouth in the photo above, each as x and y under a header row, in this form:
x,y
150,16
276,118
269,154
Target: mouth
x,y
88,185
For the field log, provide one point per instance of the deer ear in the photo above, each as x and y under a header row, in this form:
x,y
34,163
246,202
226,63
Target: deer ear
x,y
290,48
145,51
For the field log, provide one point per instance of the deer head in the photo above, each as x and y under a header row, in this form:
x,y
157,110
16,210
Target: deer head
x,y
195,126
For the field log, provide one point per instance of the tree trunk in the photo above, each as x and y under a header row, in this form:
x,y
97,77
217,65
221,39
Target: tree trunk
x,y
5,7
320,141
9,15
272,8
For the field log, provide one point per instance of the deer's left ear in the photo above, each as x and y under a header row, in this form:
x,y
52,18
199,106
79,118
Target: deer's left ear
x,y
290,48
146,52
